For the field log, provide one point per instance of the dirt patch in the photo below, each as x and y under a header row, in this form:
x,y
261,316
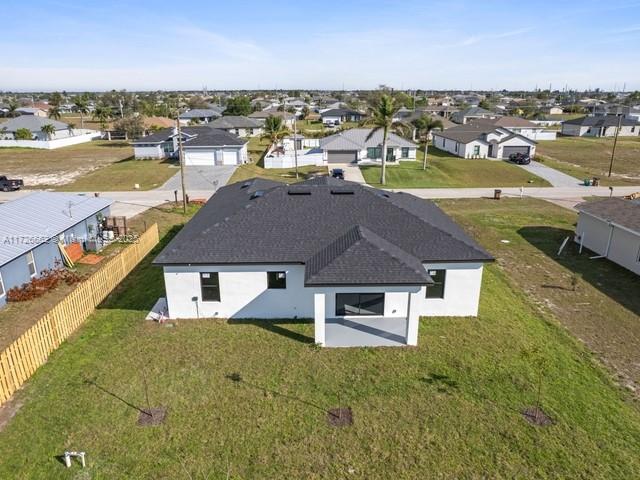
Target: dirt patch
x,y
537,416
152,416
340,417
8,411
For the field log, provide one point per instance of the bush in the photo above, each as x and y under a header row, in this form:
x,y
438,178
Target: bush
x,y
48,279
23,134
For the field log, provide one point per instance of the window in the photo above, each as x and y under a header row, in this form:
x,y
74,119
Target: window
x,y
437,289
2,292
359,304
276,279
476,150
405,152
456,147
31,264
374,152
210,286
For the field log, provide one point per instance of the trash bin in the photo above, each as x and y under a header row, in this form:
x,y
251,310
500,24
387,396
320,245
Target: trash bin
x,y
496,194
587,182
595,182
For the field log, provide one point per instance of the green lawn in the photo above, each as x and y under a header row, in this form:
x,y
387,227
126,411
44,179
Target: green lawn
x,y
257,147
445,170
286,175
249,399
123,175
590,157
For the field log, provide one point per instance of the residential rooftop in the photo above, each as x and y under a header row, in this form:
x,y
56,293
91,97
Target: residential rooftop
x,y
625,213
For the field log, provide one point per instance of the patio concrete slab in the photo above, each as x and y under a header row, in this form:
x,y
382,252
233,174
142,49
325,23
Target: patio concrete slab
x,y
365,332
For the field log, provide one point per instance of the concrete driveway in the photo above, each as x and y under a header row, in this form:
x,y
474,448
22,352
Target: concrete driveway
x,y
201,178
551,175
352,172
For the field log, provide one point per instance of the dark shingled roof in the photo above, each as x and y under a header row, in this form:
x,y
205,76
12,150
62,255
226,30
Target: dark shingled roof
x,y
343,232
602,121
625,213
198,136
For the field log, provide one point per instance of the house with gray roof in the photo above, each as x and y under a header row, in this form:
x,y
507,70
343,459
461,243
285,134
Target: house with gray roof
x,y
338,116
482,139
33,229
472,113
361,146
238,125
200,115
601,126
363,263
62,134
202,145
611,229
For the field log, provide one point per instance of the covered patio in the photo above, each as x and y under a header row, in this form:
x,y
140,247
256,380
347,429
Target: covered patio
x,y
366,332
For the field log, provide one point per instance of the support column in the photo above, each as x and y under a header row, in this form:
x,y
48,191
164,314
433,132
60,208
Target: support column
x,y
413,318
319,317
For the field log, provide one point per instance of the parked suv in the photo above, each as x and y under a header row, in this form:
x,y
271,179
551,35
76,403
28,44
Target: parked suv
x,y
337,173
520,158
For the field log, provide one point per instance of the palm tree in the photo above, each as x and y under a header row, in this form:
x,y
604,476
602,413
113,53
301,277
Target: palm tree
x,y
274,129
423,126
48,130
54,112
102,114
82,106
13,107
382,119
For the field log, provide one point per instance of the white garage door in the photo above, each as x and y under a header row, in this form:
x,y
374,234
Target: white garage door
x,y
199,158
230,157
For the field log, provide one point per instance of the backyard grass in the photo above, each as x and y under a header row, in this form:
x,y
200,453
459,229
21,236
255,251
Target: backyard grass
x,y
250,399
604,309
445,170
51,168
590,157
257,147
123,175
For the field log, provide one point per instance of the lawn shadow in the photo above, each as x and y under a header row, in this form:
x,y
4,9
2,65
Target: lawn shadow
x,y
276,326
114,144
618,283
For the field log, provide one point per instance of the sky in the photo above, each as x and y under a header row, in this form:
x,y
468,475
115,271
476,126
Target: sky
x,y
92,45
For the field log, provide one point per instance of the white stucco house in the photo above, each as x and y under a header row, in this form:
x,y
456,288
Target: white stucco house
x,y
521,126
482,140
200,115
356,145
611,228
63,134
601,126
238,125
202,145
473,113
363,263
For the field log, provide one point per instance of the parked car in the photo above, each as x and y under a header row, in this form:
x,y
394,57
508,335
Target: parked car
x,y
520,158
10,184
337,173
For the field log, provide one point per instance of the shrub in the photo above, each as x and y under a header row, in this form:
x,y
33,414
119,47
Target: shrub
x,y
48,279
23,134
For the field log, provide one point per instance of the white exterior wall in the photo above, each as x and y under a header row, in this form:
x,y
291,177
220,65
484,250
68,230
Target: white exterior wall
x,y
82,136
463,150
148,152
573,130
596,235
214,155
244,293
516,142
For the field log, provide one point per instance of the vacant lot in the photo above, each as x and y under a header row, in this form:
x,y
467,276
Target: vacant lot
x,y
53,168
124,175
250,400
604,309
590,157
445,170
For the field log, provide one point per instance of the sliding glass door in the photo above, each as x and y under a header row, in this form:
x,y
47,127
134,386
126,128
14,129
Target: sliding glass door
x,y
348,304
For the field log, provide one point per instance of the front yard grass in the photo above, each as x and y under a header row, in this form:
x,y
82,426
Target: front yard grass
x,y
54,168
445,170
249,399
123,175
583,157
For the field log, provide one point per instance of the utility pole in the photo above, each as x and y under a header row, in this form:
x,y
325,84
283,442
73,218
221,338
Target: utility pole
x,y
181,159
295,144
615,141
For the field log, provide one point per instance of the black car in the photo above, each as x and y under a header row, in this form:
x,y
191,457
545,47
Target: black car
x,y
520,158
337,173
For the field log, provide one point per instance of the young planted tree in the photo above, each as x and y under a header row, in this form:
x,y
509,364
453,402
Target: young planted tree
x,y
274,129
382,119
48,130
424,125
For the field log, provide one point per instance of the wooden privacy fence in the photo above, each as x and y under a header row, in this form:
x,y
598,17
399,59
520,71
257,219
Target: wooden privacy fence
x,y
21,359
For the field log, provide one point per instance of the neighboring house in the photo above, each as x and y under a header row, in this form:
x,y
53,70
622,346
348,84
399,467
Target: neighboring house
x,y
365,264
62,136
261,116
238,125
32,227
463,116
520,125
632,113
611,228
38,112
201,145
338,116
442,110
552,110
600,126
482,140
200,115
353,146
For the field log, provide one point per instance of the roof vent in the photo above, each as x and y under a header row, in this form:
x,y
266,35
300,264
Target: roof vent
x,y
257,194
342,191
383,194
